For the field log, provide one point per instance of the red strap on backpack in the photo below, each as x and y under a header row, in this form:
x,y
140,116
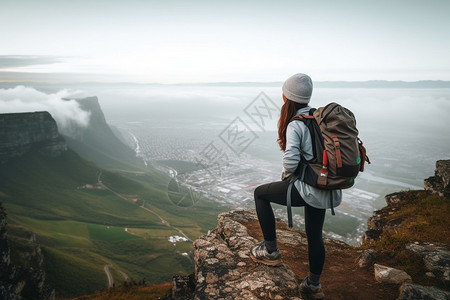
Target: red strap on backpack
x,y
322,179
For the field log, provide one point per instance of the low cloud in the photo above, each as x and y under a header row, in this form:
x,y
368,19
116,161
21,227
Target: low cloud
x,y
26,99
16,61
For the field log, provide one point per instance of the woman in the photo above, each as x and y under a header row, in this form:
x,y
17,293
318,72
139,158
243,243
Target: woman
x,y
295,141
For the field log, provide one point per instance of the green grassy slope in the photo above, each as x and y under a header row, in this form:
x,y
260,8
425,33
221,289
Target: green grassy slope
x,y
81,229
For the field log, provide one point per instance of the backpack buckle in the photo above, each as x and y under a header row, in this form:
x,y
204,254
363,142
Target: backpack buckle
x,y
337,144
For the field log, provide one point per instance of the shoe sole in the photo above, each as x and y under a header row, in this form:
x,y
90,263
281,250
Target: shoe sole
x,y
273,263
311,296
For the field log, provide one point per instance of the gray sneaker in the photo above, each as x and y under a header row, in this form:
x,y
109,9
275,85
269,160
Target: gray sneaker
x,y
260,254
310,291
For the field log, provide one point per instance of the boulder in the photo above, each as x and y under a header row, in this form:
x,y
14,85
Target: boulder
x,y
386,274
436,260
410,291
367,258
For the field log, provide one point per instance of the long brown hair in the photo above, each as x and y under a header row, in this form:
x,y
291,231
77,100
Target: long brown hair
x,y
288,111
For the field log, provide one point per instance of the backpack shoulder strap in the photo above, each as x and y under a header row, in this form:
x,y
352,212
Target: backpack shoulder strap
x,y
302,118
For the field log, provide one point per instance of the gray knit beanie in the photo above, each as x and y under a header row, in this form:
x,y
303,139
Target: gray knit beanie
x,y
298,88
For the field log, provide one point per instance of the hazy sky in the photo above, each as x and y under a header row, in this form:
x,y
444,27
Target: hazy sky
x,y
210,41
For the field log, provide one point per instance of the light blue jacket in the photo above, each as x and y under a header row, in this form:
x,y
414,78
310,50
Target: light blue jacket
x,y
298,142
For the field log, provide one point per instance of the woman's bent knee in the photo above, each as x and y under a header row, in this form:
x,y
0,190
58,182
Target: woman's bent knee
x,y
258,191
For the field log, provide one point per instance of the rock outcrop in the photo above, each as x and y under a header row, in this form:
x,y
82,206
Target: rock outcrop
x,y
223,268
410,291
22,132
439,184
436,260
26,281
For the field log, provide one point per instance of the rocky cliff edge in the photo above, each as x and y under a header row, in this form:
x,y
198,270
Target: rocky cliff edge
x,y
24,281
224,270
439,184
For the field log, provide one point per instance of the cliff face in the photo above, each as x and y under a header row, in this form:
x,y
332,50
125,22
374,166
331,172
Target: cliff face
x,y
96,119
380,221
20,132
97,142
26,281
6,273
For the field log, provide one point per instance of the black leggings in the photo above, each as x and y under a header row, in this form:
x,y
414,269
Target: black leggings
x,y
276,192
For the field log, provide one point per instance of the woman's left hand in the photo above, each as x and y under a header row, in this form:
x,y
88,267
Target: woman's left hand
x,y
286,175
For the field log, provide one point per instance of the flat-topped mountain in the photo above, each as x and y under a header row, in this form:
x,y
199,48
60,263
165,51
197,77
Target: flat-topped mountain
x,y
21,132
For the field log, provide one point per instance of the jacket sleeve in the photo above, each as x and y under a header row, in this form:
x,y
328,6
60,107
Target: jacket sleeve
x,y
291,156
296,140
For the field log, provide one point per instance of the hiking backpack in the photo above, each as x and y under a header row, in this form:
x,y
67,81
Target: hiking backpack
x,y
338,153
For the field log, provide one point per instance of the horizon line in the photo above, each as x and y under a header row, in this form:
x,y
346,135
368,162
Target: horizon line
x,y
372,81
